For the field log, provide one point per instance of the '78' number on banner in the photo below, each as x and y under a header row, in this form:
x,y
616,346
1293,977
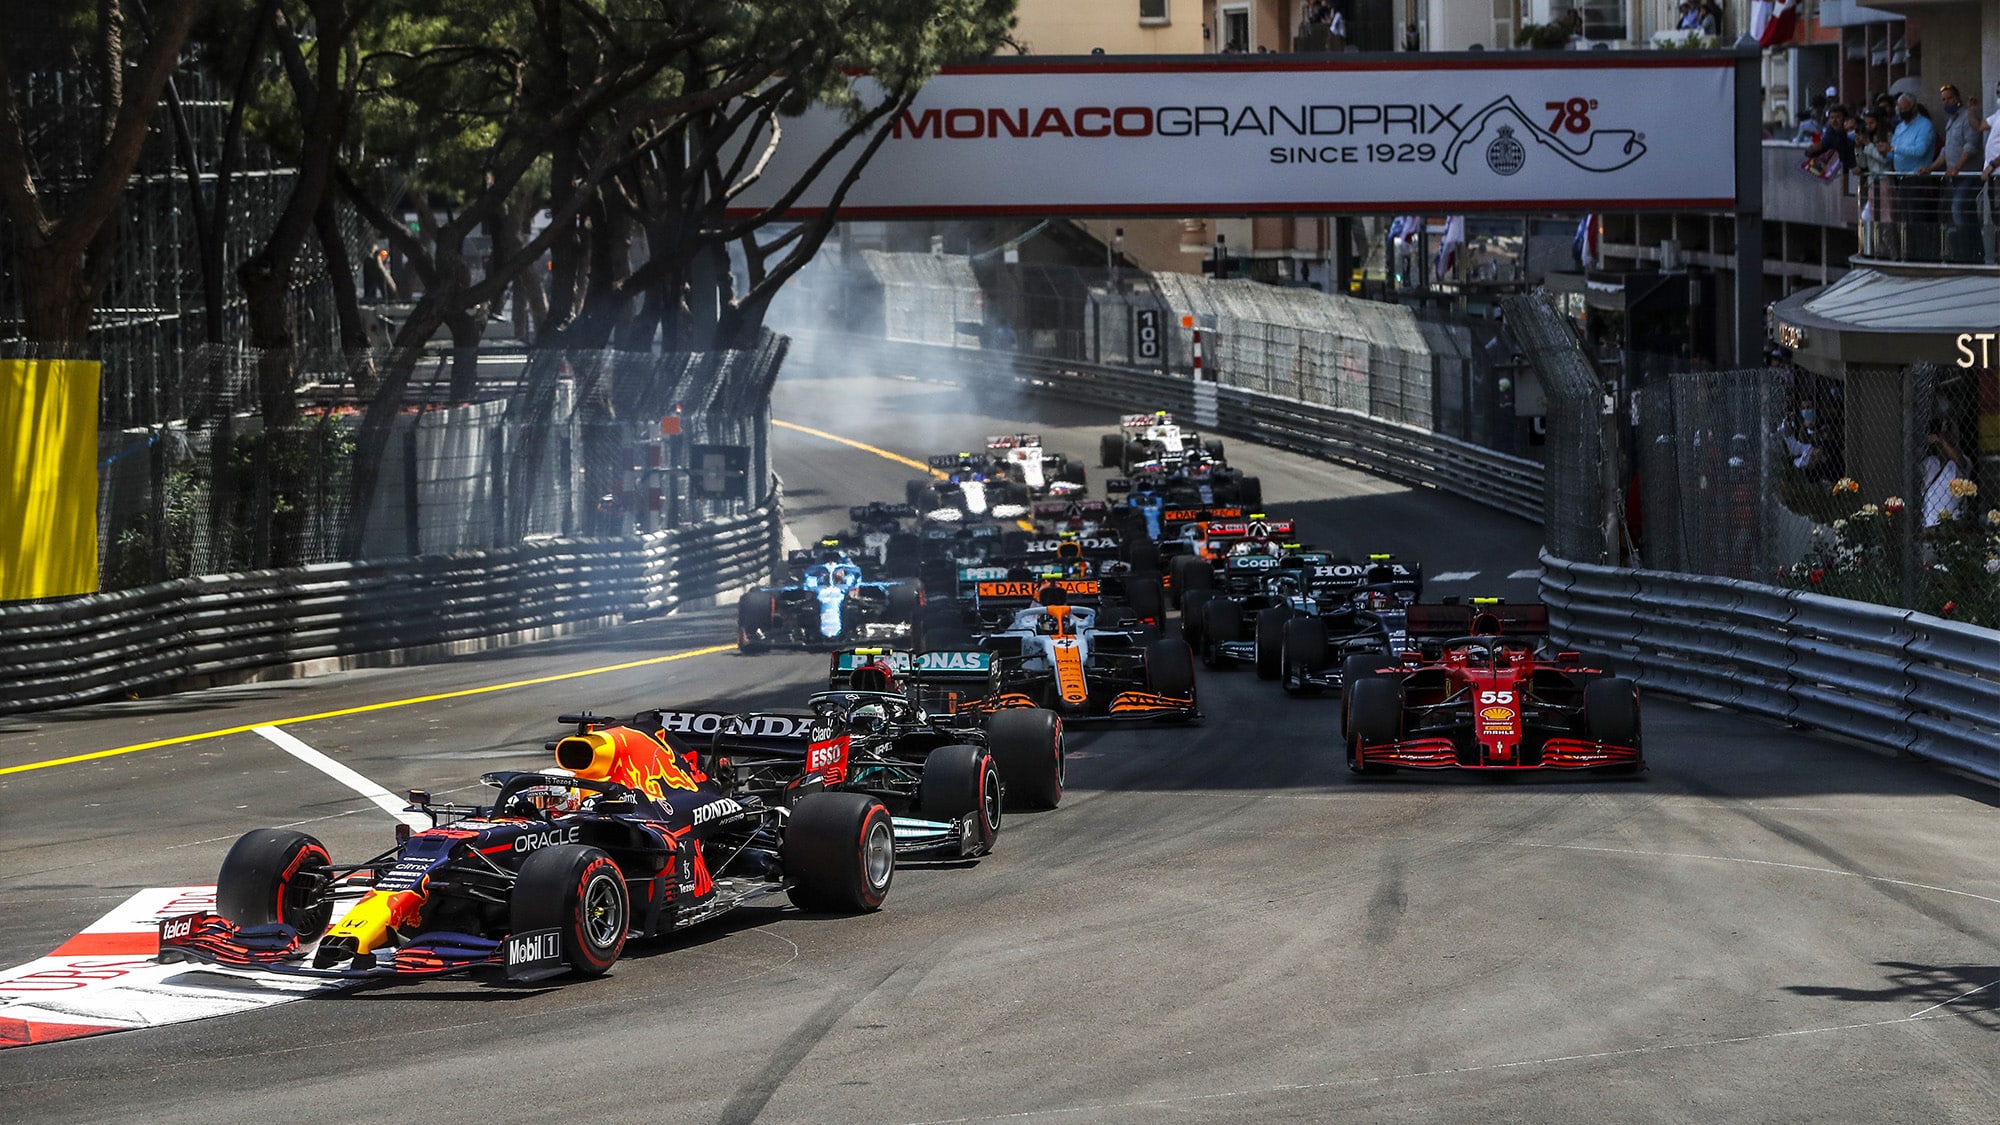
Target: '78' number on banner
x,y
1573,114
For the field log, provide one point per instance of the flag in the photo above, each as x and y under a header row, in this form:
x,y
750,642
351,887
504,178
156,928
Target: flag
x,y
1783,26
1454,237
1586,242
1760,18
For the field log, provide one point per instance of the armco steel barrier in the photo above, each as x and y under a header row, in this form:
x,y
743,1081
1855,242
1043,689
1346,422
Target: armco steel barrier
x,y
1898,679
1390,449
194,630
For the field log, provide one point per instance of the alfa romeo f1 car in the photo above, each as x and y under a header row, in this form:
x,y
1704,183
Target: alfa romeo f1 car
x,y
630,838
830,605
1486,700
1054,654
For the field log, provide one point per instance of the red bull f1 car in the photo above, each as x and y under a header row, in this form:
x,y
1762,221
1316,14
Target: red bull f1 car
x,y
1485,699
628,838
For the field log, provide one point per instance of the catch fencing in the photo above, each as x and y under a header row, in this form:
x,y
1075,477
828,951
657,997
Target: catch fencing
x,y
221,627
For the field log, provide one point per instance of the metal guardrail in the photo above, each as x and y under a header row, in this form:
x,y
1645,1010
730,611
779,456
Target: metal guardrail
x,y
102,646
1895,678
1399,452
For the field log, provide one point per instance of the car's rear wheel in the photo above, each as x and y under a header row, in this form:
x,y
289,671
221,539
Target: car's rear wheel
x,y
1611,715
1027,746
1192,608
1303,646
1170,668
839,853
1375,716
1148,601
1271,641
1110,448
1221,623
961,779
904,608
274,875
579,891
1357,667
756,612
1251,492
1189,573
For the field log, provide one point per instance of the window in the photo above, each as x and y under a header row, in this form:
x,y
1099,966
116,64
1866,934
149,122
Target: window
x,y
1236,29
1603,19
1153,13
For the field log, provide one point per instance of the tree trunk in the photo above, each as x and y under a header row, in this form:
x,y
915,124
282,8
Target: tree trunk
x,y
57,301
466,331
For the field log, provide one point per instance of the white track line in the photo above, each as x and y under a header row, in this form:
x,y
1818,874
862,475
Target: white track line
x,y
1535,573
389,802
1455,576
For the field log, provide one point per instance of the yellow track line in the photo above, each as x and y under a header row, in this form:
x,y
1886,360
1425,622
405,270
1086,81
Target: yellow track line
x,y
364,709
1023,524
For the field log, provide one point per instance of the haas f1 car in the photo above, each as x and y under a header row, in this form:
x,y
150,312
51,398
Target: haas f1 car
x,y
629,839
1485,699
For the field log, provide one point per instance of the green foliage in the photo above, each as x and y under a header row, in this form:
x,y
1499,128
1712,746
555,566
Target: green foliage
x,y
1542,36
1861,556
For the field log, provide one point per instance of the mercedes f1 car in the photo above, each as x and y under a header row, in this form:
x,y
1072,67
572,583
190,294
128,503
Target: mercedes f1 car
x,y
629,838
830,605
1486,699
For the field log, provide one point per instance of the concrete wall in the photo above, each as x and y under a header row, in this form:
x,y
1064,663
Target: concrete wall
x,y
1074,27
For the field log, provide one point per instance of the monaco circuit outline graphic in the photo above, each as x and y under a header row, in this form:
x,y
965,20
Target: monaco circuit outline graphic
x,y
1589,158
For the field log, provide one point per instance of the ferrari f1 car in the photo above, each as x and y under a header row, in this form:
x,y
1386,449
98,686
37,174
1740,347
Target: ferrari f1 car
x,y
831,604
628,839
1486,699
1054,654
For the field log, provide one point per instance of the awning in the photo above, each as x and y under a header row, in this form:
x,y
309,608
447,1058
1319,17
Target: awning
x,y
1894,320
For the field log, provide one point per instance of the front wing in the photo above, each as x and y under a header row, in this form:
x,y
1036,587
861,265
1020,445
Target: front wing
x,y
1462,750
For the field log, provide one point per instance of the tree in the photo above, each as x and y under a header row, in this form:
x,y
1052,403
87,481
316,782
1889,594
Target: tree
x,y
56,247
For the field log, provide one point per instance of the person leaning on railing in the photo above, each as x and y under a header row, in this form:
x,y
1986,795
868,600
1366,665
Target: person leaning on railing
x,y
1991,127
1960,192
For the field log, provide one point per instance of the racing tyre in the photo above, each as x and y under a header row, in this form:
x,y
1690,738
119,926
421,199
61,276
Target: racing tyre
x,y
1170,668
1221,622
904,604
1110,448
1190,572
958,780
1148,601
1357,667
902,556
1140,552
578,890
1191,617
1611,710
275,875
1251,492
1214,449
839,853
1375,714
755,613
1027,745
1271,642
915,492
1302,649
1074,473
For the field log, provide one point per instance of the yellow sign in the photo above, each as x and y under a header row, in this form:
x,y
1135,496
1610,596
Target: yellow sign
x,y
48,478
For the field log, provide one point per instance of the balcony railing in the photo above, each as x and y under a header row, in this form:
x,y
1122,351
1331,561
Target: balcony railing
x,y
1922,219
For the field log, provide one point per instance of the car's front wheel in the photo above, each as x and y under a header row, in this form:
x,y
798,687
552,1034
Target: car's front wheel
x,y
274,875
580,892
839,853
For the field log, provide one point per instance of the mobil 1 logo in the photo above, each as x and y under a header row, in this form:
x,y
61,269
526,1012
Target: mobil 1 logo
x,y
535,955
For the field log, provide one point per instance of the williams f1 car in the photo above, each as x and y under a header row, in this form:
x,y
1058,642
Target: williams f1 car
x,y
1486,699
629,838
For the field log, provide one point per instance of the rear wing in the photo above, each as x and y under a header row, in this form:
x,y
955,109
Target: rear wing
x,y
759,732
1012,441
878,512
1066,509
1454,619
1141,421
1021,592
1173,519
1337,578
1097,545
938,666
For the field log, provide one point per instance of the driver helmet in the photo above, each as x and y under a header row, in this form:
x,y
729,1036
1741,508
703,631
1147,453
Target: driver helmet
x,y
869,718
537,801
1285,585
846,574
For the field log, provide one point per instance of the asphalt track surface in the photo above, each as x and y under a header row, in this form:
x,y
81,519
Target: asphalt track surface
x,y
1219,923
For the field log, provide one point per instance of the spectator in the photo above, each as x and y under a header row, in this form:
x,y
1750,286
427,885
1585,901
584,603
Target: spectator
x,y
1942,464
1412,40
1991,127
1960,192
1336,30
1834,138
1911,148
1690,18
1709,18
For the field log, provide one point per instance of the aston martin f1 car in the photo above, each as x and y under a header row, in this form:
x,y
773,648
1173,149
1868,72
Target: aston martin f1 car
x,y
1487,700
1054,654
831,604
629,838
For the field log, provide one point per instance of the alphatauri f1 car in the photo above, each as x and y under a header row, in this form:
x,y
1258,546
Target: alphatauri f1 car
x,y
629,838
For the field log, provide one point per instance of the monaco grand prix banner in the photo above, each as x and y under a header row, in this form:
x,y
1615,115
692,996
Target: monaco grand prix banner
x,y
1640,129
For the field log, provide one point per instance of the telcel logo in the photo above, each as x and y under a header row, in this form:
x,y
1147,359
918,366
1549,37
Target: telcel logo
x,y
1982,356
173,929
